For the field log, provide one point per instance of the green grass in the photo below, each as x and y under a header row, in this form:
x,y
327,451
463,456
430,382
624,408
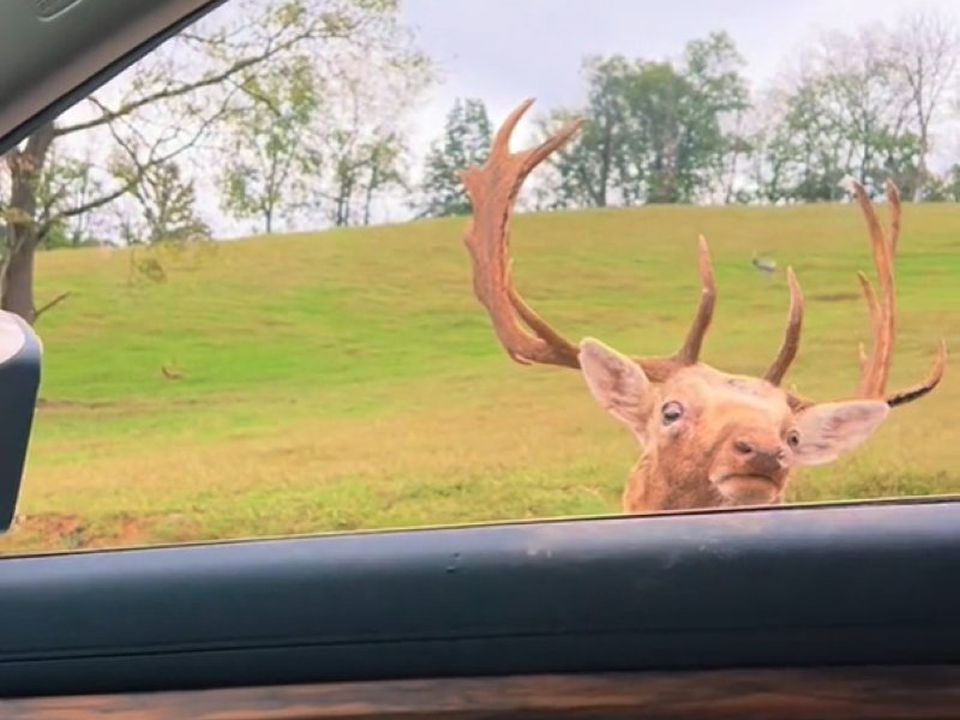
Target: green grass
x,y
350,380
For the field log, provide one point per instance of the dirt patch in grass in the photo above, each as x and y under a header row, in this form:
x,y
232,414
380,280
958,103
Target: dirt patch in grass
x,y
58,531
54,530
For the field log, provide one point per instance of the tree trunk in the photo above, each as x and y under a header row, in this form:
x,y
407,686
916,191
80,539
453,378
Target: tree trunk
x,y
368,200
22,237
918,191
606,161
17,294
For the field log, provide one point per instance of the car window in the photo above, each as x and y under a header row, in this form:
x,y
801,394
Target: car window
x,y
324,265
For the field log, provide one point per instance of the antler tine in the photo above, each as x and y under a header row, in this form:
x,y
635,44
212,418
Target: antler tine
x,y
874,378
532,157
501,141
861,357
538,154
933,379
791,336
871,299
875,366
690,352
873,309
493,189
541,327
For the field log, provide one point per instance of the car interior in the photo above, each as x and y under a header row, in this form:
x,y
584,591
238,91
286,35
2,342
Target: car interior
x,y
841,610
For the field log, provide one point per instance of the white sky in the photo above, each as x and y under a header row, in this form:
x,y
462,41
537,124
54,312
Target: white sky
x,y
505,50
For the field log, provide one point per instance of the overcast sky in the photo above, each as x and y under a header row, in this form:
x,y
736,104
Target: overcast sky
x,y
502,51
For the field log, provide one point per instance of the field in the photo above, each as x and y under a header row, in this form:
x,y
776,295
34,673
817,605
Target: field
x,y
349,379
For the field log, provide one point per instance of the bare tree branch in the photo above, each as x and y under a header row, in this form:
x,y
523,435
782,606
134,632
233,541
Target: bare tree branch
x,y
140,168
271,49
926,50
49,306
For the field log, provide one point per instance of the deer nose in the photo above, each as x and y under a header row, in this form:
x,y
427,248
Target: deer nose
x,y
742,447
760,459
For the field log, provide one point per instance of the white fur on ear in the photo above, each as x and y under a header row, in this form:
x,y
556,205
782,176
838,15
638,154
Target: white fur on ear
x,y
616,382
828,430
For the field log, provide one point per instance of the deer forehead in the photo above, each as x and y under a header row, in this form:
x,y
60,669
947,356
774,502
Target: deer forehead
x,y
718,393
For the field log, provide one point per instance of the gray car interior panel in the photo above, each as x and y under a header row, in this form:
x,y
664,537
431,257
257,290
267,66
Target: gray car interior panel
x,y
20,354
789,587
56,52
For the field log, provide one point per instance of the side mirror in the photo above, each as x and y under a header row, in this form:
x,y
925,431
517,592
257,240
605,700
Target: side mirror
x,y
20,354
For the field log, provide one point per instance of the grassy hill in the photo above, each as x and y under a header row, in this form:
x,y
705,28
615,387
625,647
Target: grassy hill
x,y
349,379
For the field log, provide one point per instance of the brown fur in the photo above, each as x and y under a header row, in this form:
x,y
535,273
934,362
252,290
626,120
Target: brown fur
x,y
732,440
684,465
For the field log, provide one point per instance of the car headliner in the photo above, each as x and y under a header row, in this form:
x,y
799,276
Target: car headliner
x,y
53,54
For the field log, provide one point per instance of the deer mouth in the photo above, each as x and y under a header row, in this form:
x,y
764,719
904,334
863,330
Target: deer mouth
x,y
748,488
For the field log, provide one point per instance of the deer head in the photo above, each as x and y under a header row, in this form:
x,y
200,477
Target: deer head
x,y
708,438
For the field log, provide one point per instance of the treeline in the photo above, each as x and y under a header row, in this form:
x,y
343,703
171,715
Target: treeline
x,y
690,130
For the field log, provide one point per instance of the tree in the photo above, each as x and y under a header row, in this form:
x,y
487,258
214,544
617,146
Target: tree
x,y
268,156
845,113
384,170
607,158
363,141
168,103
713,67
925,47
321,133
945,188
465,142
655,132
363,138
361,170
165,205
66,182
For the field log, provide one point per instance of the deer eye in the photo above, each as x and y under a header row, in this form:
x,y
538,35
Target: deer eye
x,y
671,412
793,439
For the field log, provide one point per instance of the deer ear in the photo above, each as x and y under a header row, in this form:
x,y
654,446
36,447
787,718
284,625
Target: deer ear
x,y
616,382
828,430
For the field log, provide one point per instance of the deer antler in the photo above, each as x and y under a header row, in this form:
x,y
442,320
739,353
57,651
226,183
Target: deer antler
x,y
791,337
493,189
875,366
690,352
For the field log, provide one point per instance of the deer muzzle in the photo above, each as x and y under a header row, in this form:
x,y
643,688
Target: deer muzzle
x,y
752,469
